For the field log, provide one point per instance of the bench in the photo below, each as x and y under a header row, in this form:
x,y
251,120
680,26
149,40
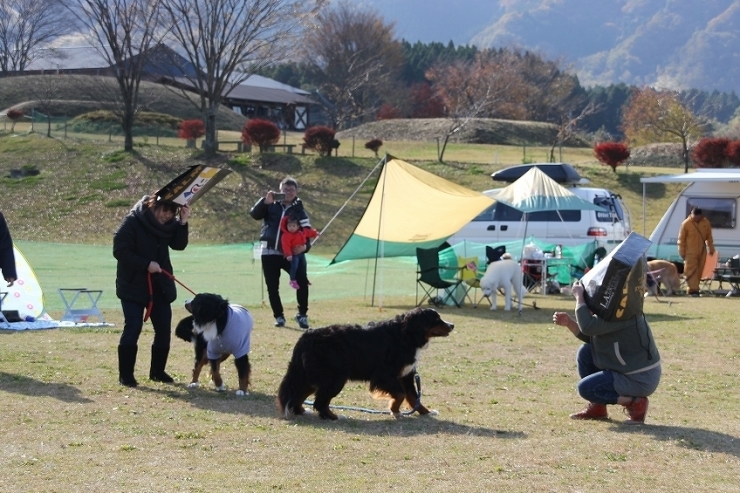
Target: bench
x,y
287,148
80,295
240,146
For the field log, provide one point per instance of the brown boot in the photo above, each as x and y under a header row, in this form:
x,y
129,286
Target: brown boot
x,y
636,410
592,411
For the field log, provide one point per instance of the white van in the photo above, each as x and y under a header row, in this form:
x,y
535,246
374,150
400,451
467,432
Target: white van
x,y
500,223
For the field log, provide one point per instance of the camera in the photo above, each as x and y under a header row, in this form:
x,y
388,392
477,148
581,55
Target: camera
x,y
278,196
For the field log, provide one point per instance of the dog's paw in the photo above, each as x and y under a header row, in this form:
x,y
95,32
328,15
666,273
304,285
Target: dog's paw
x,y
221,388
493,308
193,385
432,412
241,393
397,415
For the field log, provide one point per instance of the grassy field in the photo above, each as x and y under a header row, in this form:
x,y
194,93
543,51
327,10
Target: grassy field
x,y
502,383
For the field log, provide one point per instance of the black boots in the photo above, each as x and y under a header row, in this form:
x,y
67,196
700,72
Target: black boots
x,y
159,361
126,363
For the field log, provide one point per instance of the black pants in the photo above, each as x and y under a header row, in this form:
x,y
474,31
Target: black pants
x,y
133,322
271,267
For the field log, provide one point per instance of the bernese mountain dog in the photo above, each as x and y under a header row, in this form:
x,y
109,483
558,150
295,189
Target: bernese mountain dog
x,y
385,354
217,329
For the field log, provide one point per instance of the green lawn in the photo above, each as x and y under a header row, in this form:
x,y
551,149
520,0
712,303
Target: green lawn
x,y
503,384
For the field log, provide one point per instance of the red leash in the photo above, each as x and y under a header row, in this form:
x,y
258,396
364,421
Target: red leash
x,y
151,291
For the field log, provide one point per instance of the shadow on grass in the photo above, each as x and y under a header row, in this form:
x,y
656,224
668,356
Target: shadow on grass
x,y
31,387
687,437
263,405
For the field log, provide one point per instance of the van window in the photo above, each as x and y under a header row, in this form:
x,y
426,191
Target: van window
x,y
722,213
506,213
611,204
486,215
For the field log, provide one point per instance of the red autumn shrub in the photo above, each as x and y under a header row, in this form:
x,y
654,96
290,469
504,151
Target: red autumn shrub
x,y
191,129
711,153
14,114
374,145
611,153
733,152
424,102
320,139
262,133
388,112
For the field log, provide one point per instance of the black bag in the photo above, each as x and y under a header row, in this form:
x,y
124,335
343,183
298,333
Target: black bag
x,y
614,289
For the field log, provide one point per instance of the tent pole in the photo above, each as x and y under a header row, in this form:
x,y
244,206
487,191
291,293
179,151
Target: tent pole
x,y
521,260
380,223
643,209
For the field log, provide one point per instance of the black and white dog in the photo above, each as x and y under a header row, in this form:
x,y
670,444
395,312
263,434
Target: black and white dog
x,y
217,329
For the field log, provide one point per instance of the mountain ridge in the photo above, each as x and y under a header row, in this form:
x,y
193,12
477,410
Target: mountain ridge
x,y
670,44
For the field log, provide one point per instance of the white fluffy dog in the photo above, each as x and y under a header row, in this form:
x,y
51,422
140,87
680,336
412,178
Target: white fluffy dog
x,y
504,273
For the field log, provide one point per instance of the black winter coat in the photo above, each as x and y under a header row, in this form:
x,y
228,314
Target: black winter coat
x,y
271,216
139,240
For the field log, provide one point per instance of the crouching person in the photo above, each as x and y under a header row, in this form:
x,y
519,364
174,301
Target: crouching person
x,y
618,364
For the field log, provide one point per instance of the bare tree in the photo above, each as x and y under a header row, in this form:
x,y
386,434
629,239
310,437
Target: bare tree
x,y
568,126
226,41
474,89
44,90
123,32
355,61
25,27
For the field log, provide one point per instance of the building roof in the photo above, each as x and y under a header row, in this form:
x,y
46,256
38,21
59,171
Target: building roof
x,y
166,62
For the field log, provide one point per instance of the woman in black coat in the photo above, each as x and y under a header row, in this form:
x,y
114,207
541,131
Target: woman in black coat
x,y
141,245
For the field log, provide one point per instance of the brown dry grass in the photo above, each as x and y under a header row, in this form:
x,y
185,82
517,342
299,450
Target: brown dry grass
x,y
503,383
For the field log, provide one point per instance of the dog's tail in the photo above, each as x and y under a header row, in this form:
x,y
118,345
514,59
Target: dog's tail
x,y
293,389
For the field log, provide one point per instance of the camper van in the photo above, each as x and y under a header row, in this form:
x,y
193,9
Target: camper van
x,y
501,223
716,192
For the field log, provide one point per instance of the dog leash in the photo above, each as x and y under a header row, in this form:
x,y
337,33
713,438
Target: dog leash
x,y
417,404
150,305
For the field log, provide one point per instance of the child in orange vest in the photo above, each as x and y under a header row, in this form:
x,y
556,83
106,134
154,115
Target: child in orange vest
x,y
292,235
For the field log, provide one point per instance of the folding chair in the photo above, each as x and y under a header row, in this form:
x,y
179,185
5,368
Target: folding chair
x,y
708,275
494,254
3,320
430,280
532,274
471,275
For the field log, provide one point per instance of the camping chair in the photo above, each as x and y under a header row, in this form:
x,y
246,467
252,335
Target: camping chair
x,y
430,280
3,320
709,274
471,274
532,274
494,254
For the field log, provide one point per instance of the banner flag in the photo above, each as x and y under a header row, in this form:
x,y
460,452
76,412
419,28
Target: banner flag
x,y
192,184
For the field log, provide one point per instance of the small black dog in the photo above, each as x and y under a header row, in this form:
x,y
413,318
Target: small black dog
x,y
218,329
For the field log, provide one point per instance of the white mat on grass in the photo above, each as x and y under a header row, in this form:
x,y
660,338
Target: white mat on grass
x,y
49,324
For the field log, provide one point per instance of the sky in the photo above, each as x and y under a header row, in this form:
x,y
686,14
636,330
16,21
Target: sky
x,y
471,16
